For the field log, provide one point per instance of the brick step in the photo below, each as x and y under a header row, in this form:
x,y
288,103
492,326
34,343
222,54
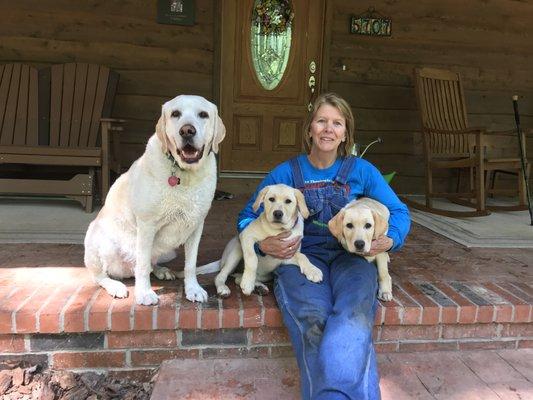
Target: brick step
x,y
82,328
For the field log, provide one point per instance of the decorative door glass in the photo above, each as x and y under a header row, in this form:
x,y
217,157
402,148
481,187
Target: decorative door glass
x,y
270,35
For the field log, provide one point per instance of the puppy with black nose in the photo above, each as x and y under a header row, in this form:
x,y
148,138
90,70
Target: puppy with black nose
x,y
355,226
284,211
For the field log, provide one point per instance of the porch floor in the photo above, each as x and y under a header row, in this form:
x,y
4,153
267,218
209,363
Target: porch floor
x,y
446,297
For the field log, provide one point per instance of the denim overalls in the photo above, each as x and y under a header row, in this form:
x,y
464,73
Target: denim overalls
x,y
330,323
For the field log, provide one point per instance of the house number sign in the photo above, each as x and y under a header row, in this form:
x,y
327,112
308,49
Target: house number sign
x,y
371,24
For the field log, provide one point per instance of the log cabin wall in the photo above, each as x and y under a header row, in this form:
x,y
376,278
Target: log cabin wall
x,y
489,42
156,62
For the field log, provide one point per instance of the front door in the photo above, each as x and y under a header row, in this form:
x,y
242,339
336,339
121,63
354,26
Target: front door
x,y
269,74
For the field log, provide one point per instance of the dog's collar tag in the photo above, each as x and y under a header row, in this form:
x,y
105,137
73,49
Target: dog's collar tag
x,y
173,180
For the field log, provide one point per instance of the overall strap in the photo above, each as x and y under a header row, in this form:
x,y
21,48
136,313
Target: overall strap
x,y
297,173
344,170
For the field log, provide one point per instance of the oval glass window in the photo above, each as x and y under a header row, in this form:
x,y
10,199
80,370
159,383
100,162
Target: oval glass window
x,y
270,35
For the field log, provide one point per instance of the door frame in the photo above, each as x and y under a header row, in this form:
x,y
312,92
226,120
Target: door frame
x,y
217,66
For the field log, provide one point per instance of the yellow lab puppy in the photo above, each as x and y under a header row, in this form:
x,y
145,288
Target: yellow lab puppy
x,y
355,226
285,210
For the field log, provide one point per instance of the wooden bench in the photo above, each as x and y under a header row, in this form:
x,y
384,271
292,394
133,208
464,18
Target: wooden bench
x,y
58,116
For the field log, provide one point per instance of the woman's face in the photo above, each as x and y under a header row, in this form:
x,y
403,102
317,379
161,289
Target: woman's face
x,y
328,129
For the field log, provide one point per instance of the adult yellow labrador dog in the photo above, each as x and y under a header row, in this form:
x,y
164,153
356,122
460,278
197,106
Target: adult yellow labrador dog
x,y
159,204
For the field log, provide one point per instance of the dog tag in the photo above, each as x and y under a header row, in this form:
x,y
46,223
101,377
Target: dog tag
x,y
173,180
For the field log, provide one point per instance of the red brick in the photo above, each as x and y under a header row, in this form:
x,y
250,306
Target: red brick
x,y
49,321
467,310
376,333
504,313
412,311
145,339
210,317
97,359
98,312
412,332
430,311
26,317
266,335
231,308
142,317
73,315
166,309
156,357
281,351
469,331
380,313
518,330
121,311
427,346
521,308
487,345
273,315
525,344
518,290
11,304
12,344
188,315
251,311
449,315
485,314
239,352
393,313
388,347
138,375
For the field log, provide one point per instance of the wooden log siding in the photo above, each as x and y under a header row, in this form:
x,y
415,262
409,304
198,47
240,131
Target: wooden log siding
x,y
156,62
489,43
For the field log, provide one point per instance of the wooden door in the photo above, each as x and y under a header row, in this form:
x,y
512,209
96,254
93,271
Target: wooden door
x,y
264,127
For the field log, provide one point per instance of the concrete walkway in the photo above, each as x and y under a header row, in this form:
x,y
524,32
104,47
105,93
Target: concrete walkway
x,y
471,375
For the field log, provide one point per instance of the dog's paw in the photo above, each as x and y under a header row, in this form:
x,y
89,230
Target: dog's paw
x,y
146,297
194,292
314,274
223,291
116,289
385,295
261,289
247,286
164,273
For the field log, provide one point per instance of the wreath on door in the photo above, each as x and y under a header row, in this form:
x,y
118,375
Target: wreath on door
x,y
273,17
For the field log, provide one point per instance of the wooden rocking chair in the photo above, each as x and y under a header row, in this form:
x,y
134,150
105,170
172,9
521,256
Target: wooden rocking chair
x,y
449,143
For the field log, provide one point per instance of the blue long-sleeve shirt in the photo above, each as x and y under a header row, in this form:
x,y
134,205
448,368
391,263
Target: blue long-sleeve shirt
x,y
364,180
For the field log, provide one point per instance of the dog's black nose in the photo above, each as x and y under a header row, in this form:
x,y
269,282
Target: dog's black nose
x,y
359,244
187,131
278,214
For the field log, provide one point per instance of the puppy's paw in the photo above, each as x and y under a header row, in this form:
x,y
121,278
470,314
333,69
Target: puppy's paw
x,y
164,273
223,291
261,289
384,295
194,292
247,285
116,289
146,297
314,274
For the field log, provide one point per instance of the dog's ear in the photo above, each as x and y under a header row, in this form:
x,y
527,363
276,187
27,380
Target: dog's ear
x,y
300,201
381,225
260,198
218,134
335,225
160,131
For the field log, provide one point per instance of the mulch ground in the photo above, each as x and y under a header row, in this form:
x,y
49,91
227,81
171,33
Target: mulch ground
x,y
18,382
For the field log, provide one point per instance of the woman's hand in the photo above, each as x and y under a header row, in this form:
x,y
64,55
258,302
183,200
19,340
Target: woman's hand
x,y
278,247
380,245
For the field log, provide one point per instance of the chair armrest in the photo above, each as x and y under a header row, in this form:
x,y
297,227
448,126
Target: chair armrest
x,y
472,131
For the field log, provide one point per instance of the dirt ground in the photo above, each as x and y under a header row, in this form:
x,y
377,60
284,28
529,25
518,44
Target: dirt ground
x,y
20,382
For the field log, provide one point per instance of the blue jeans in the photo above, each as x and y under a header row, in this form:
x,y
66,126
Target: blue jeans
x,y
330,325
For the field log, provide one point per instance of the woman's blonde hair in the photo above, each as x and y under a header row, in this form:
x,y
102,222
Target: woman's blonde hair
x,y
340,104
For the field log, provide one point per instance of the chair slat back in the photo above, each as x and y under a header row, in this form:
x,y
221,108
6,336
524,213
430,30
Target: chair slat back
x,y
81,94
19,114
442,107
